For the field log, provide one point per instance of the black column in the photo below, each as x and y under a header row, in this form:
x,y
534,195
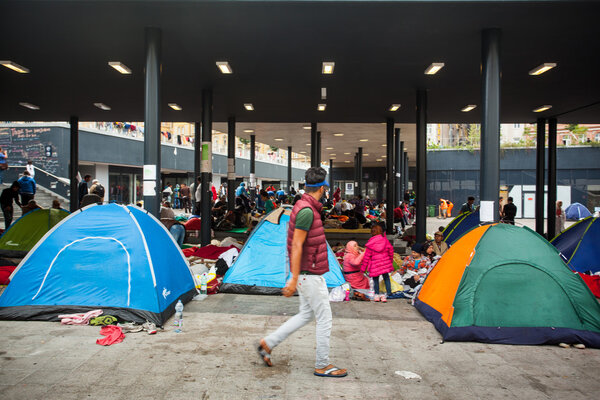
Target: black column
x,y
359,157
231,163
400,178
252,168
206,167
152,122
355,174
490,118
313,144
391,179
398,154
405,180
540,164
197,157
74,164
421,201
331,185
318,150
551,177
289,171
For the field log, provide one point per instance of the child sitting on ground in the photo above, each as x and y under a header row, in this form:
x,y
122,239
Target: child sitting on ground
x,y
379,260
413,263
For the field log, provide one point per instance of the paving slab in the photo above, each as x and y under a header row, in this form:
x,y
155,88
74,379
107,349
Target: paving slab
x,y
214,358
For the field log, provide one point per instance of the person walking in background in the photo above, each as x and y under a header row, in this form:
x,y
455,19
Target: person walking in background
x,y
560,219
82,188
3,164
27,188
30,168
6,202
509,211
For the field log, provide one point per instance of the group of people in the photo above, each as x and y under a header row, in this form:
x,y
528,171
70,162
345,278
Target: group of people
x,y
378,259
22,193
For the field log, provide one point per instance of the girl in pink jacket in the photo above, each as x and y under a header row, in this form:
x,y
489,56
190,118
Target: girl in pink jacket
x,y
379,260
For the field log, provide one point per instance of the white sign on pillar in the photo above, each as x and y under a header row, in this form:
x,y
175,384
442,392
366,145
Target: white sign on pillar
x,y
486,211
252,180
149,188
206,157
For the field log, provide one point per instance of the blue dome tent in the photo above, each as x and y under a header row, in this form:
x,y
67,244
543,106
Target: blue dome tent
x,y
577,211
263,267
111,257
460,225
578,245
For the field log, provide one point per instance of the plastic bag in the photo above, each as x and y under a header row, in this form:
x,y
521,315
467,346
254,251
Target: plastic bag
x,y
337,294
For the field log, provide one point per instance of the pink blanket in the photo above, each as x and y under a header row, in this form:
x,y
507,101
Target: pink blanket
x,y
79,319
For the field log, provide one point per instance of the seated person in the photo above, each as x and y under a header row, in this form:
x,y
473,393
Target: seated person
x,y
352,222
176,228
220,207
413,263
30,206
352,262
439,246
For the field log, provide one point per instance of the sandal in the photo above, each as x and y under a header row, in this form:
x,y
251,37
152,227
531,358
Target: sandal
x,y
264,352
330,372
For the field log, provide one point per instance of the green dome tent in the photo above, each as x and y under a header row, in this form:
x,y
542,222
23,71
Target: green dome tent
x,y
24,233
505,284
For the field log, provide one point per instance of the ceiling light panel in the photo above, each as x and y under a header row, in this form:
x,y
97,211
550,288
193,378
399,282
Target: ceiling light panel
x,y
542,108
394,107
122,68
175,106
338,134
469,108
29,105
540,69
102,106
15,67
328,148
363,140
328,67
224,67
248,130
249,106
321,107
434,68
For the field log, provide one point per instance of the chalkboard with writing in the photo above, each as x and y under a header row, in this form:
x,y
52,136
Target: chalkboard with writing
x,y
29,143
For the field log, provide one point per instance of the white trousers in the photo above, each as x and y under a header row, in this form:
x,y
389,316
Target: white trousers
x,y
314,299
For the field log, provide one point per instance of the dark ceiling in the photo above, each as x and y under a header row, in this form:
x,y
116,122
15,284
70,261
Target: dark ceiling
x,y
381,50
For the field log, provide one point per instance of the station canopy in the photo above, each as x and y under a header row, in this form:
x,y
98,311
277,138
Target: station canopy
x,y
381,50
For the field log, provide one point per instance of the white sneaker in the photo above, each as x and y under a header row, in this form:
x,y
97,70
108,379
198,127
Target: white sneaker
x,y
376,298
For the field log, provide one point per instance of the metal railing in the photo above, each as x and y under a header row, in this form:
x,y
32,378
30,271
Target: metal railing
x,y
53,183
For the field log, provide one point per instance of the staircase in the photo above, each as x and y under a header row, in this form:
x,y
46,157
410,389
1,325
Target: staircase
x,y
43,198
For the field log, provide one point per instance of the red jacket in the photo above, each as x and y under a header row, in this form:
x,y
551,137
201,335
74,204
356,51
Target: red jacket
x,y
379,256
314,250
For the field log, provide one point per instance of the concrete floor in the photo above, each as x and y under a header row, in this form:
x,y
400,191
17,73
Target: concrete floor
x,y
214,358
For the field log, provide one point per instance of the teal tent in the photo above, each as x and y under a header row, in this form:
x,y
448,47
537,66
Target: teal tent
x,y
263,267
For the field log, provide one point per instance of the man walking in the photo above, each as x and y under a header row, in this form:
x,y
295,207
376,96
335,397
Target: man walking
x,y
307,249
7,197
